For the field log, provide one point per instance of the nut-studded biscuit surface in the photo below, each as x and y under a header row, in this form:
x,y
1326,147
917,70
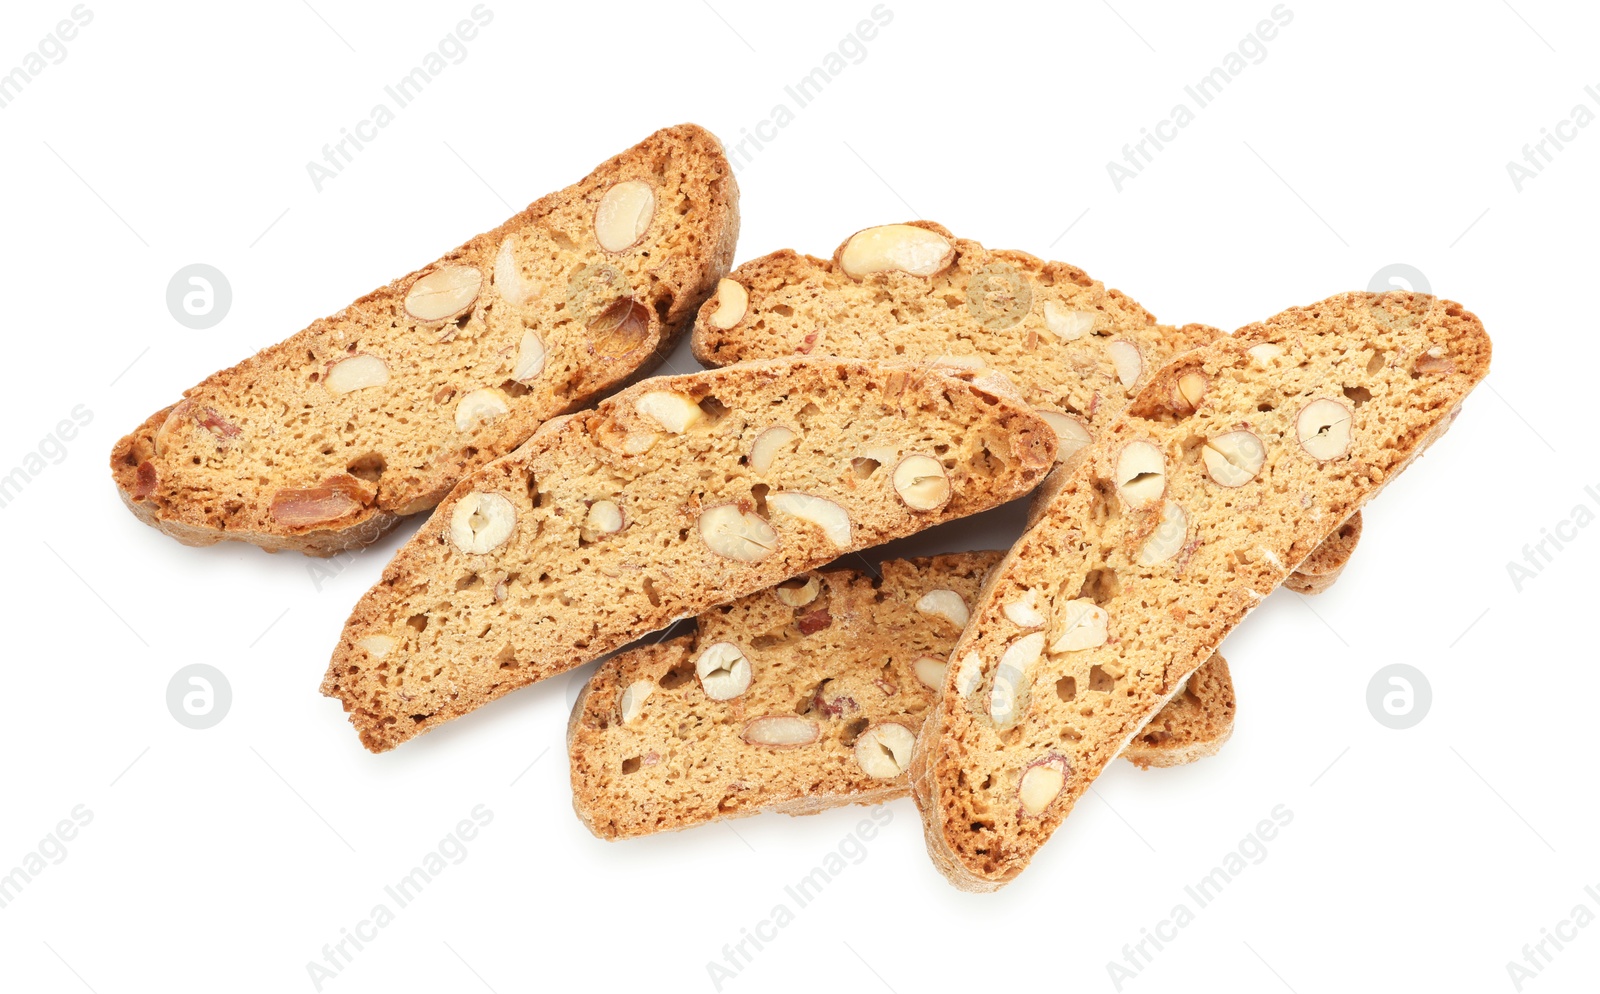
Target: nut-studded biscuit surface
x,y
318,443
1172,526
1072,348
914,292
676,494
802,697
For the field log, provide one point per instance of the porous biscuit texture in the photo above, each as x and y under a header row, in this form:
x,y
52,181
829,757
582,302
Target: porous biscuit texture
x,y
1194,724
1069,346
321,442
1320,569
847,662
676,494
1173,525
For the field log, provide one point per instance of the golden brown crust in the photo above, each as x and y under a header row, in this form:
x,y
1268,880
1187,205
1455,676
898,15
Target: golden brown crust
x,y
1196,723
1323,566
844,661
851,653
989,306
209,468
131,457
466,627
847,658
1398,363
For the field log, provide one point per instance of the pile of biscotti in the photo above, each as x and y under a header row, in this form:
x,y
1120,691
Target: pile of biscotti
x,y
1178,475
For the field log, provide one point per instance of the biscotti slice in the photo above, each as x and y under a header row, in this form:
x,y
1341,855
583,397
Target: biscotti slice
x,y
1320,569
1173,525
1316,574
802,697
914,292
676,494
319,443
1194,724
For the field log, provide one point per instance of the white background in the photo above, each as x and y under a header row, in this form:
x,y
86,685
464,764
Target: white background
x,y
1372,133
